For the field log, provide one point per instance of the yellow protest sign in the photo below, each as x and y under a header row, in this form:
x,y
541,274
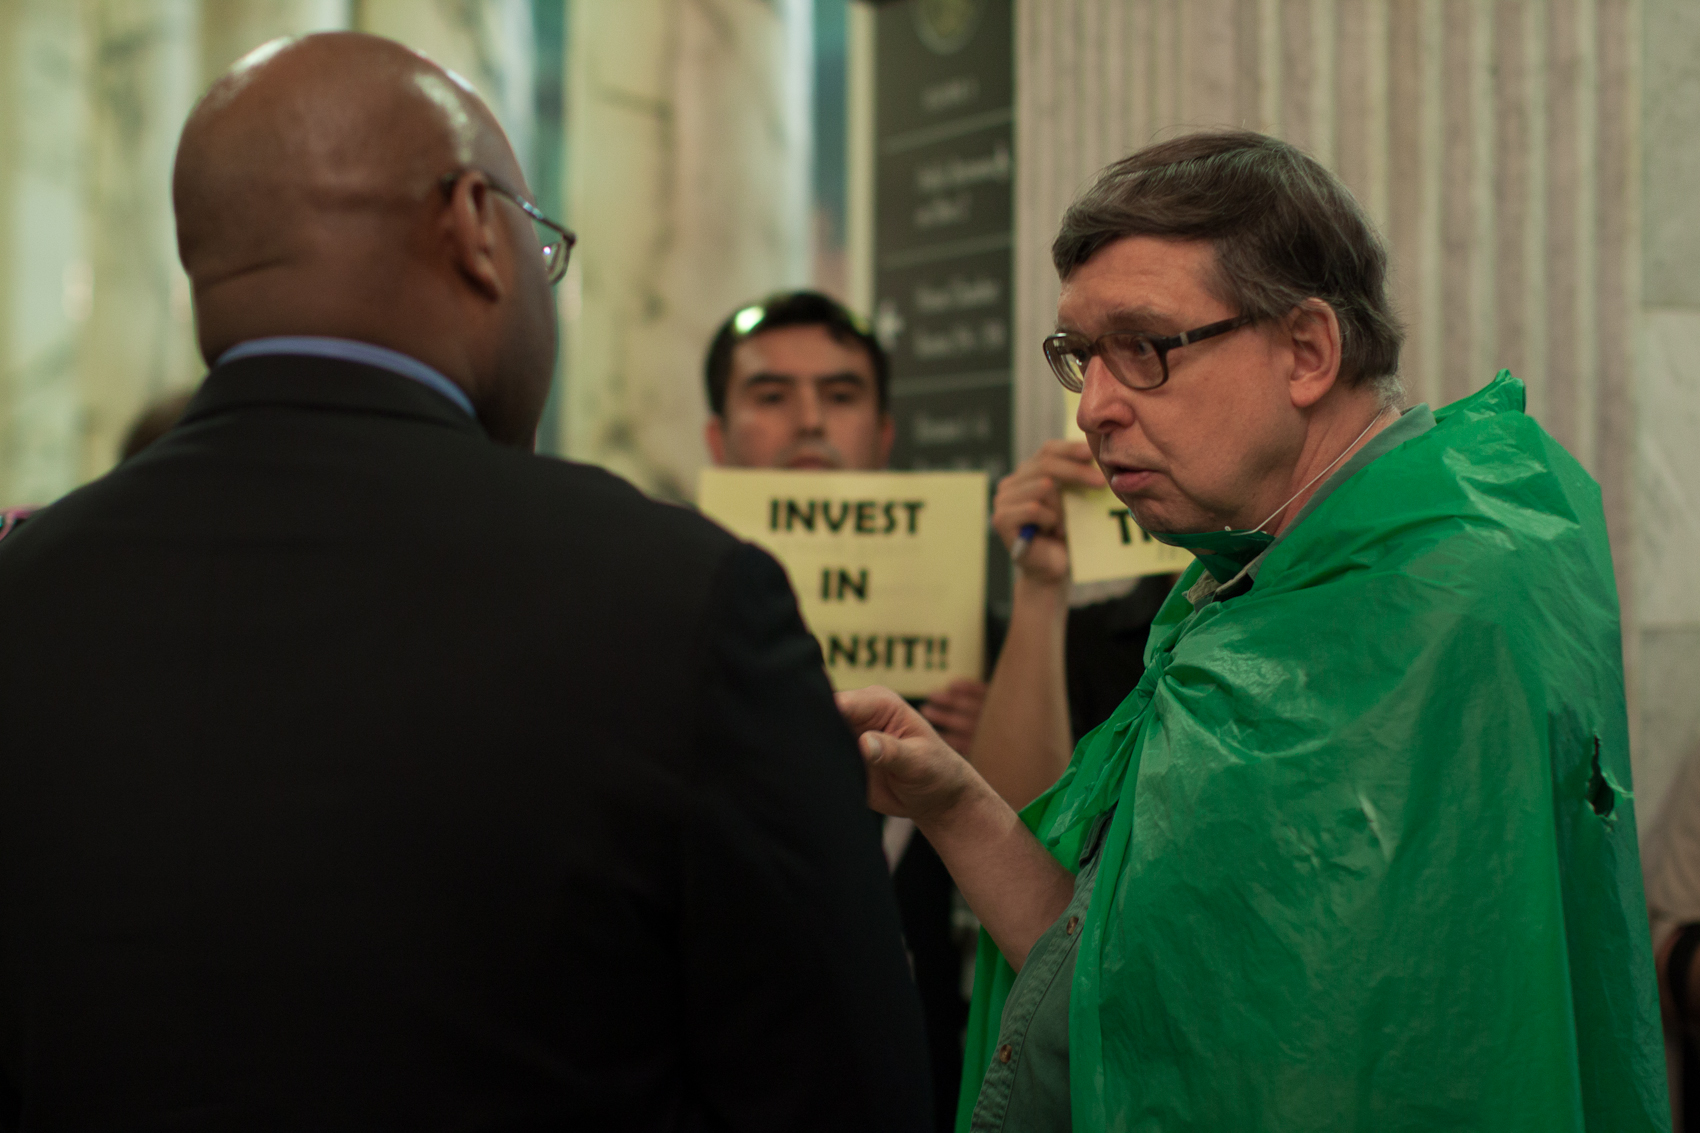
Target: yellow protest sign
x,y
1104,542
889,567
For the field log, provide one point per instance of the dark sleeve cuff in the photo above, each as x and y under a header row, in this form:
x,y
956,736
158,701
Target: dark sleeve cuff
x,y
1681,961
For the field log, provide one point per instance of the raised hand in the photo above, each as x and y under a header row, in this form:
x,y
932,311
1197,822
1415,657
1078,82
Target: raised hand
x,y
912,773
1032,495
954,711
1010,881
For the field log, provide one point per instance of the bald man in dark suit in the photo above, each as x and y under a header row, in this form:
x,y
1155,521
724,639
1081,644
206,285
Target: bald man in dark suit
x,y
362,770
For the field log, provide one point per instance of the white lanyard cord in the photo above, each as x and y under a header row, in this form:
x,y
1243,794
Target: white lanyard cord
x,y
1325,471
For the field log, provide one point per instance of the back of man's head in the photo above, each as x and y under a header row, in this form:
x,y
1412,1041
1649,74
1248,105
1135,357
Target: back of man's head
x,y
343,185
1284,230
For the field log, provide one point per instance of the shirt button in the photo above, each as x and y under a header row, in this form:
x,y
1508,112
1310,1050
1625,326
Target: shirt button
x,y
1004,1052
1073,923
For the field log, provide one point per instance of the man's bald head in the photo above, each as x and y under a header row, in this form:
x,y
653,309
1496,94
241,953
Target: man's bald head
x,y
316,193
302,132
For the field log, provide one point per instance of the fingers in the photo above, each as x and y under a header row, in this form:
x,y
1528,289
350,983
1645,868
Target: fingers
x,y
881,797
914,775
951,719
1031,495
1072,450
1068,462
868,708
1009,520
969,690
1034,501
1040,490
878,709
962,694
887,767
905,762
958,716
954,712
1061,462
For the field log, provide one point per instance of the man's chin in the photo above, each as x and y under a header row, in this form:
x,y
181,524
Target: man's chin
x,y
1142,507
1160,510
1153,519
810,463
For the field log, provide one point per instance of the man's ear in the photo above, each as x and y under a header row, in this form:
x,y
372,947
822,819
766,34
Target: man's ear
x,y
470,225
888,436
714,433
1314,333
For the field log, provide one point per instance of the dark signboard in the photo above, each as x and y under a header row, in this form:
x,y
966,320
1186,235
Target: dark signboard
x,y
943,186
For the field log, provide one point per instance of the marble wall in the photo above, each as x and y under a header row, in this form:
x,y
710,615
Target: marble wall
x,y
1667,425
688,184
229,29
95,318
138,343
486,42
1495,143
45,276
1531,164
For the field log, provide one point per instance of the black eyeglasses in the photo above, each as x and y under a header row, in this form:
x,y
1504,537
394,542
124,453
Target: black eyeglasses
x,y
557,247
1137,361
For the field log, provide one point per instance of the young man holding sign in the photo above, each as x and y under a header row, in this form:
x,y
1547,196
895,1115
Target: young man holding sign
x,y
797,382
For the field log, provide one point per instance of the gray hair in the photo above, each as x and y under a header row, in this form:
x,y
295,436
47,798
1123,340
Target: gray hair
x,y
1285,230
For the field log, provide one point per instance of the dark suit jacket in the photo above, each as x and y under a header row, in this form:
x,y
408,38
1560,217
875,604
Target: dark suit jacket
x,y
926,905
1105,651
357,773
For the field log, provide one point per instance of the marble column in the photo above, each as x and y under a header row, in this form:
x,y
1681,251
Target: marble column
x,y
45,279
1494,144
688,182
94,310
139,343
229,29
1667,457
486,42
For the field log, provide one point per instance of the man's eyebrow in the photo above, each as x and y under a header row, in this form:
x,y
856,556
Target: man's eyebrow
x,y
1128,318
774,378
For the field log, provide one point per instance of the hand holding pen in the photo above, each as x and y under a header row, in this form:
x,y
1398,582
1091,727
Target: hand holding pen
x,y
1023,540
1027,510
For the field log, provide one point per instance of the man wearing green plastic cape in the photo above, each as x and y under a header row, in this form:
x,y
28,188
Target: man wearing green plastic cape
x,y
1358,853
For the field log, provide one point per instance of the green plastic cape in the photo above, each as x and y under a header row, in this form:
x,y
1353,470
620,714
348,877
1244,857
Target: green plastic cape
x,y
1373,860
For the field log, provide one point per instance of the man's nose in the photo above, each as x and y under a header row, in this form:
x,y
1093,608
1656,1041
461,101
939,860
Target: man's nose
x,y
809,418
1105,404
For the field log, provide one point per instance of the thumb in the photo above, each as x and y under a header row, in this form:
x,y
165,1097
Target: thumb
x,y
904,759
885,751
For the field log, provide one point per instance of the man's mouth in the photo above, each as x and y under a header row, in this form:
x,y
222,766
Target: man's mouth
x,y
1126,478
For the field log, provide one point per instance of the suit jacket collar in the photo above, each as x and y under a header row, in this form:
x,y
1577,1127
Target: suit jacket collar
x,y
333,384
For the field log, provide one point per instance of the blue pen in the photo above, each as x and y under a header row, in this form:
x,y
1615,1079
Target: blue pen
x,y
1023,540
